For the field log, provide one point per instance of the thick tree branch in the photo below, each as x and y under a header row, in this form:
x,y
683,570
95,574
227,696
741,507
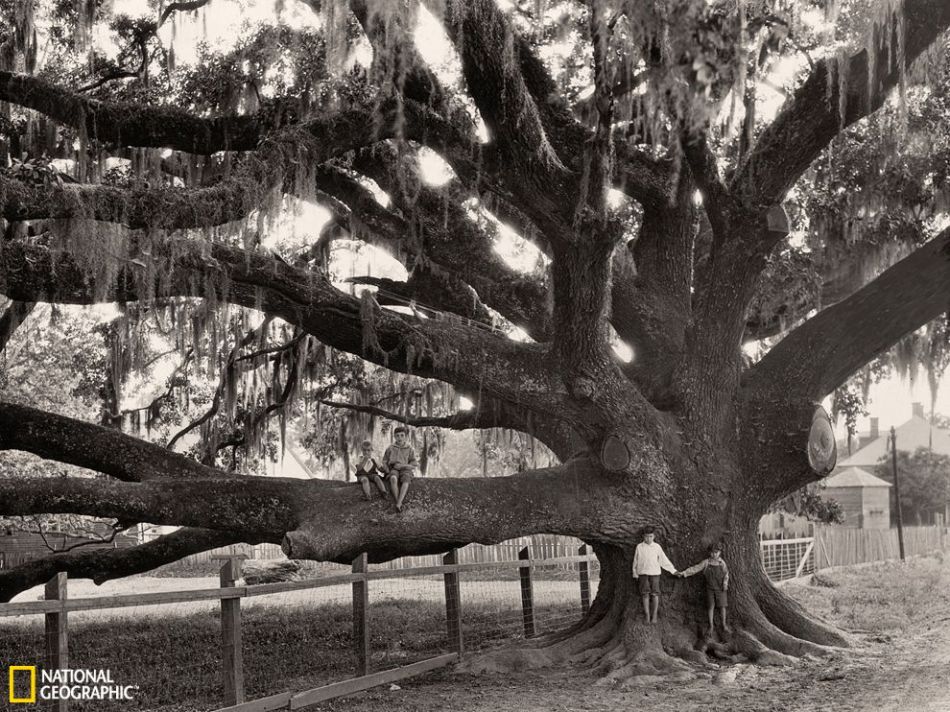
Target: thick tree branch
x,y
140,208
646,179
438,349
432,292
490,49
171,127
824,351
92,446
818,111
132,124
277,165
442,513
102,566
253,504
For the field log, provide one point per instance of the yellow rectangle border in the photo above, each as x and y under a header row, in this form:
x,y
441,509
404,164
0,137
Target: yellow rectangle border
x,y
24,700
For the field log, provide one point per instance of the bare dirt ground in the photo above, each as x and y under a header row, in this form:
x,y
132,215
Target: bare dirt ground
x,y
898,614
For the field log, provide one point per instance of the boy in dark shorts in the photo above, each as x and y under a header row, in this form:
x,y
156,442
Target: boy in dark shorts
x,y
399,462
368,469
716,574
648,560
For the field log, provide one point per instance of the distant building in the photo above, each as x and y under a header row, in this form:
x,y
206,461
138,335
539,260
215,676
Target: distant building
x,y
865,499
916,432
863,495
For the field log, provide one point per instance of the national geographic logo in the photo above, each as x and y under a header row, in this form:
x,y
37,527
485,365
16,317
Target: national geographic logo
x,y
65,684
25,672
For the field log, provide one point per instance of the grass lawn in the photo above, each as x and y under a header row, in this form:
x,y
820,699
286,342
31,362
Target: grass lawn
x,y
175,659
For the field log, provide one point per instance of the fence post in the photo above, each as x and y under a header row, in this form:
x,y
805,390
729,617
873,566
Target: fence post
x,y
527,594
232,659
360,610
57,638
585,579
453,603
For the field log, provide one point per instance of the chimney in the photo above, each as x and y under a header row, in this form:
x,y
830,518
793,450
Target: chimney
x,y
873,435
919,410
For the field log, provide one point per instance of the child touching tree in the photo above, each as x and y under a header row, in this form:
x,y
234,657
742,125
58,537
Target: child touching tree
x,y
648,560
717,584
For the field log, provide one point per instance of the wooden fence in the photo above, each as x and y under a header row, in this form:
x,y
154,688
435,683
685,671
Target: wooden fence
x,y
543,546
57,606
844,546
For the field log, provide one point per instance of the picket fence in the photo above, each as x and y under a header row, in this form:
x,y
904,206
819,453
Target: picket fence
x,y
542,546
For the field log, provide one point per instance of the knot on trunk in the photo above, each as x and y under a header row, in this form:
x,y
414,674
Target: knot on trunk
x,y
583,387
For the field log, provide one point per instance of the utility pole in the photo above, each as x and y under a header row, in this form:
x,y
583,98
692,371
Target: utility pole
x,y
897,494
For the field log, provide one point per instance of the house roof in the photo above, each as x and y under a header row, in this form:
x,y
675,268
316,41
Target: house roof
x,y
913,434
854,477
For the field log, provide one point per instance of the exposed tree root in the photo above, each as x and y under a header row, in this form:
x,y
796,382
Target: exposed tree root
x,y
616,644
787,615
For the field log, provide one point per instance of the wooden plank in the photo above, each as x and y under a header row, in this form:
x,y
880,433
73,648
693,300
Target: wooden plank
x,y
453,604
800,540
527,596
232,660
357,684
360,616
57,642
262,704
25,608
146,599
801,564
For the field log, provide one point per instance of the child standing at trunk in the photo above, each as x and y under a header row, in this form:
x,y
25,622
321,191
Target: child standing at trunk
x,y
648,560
716,574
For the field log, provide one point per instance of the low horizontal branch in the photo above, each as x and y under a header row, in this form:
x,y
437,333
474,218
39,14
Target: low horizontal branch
x,y
106,565
252,504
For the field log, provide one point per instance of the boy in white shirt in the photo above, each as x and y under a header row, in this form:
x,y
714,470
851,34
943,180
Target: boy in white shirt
x,y
648,560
